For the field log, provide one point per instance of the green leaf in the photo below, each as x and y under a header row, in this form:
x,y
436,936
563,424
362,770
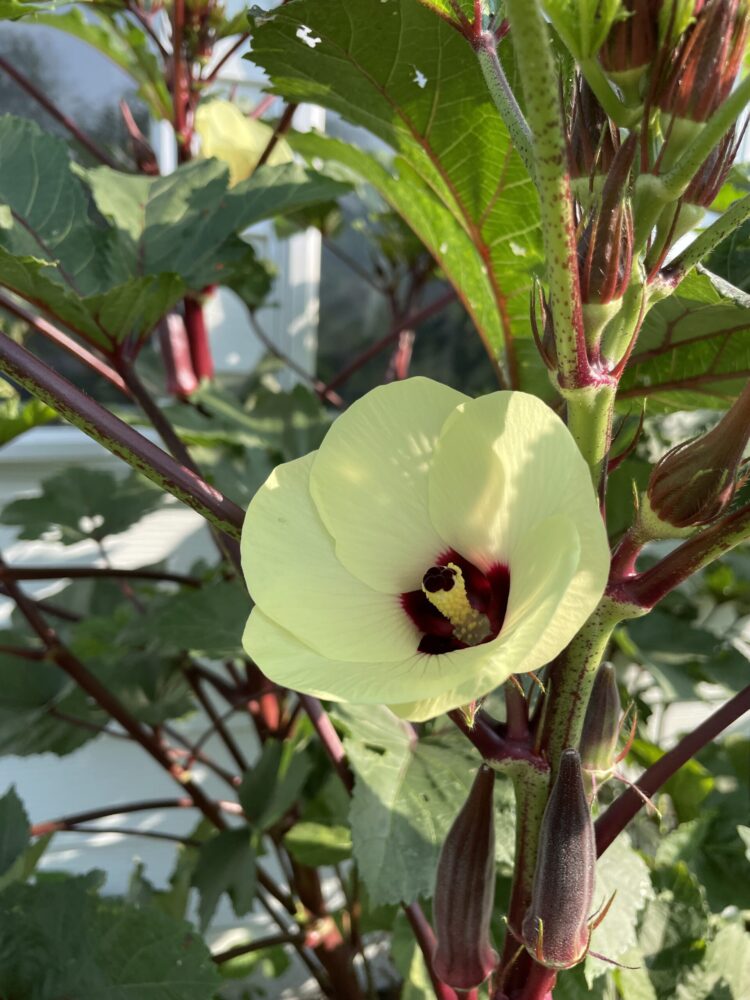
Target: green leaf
x,y
81,503
226,863
176,899
287,424
693,349
583,24
29,693
315,844
622,872
265,964
184,221
671,935
11,10
112,275
711,845
447,9
58,939
270,789
406,75
44,212
25,865
150,685
17,417
207,622
744,832
688,786
572,985
724,973
731,258
14,830
680,655
122,42
406,795
53,253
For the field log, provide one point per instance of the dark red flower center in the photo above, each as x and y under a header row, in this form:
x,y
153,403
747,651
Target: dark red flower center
x,y
487,593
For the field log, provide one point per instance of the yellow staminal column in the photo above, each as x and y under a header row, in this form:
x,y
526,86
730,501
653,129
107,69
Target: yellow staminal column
x,y
444,588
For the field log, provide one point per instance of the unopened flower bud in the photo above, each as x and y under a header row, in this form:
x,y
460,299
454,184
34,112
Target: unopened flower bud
x,y
683,217
545,342
710,178
601,726
632,43
556,926
701,73
694,482
592,143
465,891
605,248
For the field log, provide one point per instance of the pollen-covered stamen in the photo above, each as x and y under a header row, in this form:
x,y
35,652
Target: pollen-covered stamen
x,y
444,588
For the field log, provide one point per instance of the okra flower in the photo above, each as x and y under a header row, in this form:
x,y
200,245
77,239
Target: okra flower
x,y
431,547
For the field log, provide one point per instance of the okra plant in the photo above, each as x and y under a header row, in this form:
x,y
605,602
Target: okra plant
x,y
447,641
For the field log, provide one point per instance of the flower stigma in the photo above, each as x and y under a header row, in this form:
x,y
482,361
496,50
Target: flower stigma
x,y
445,589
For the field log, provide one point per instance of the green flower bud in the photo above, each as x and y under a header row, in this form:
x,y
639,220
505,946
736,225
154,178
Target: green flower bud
x,y
694,482
632,43
601,726
592,143
555,928
701,74
465,891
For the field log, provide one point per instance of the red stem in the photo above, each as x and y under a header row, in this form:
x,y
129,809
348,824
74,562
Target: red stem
x,y
23,653
625,556
145,21
152,834
180,83
647,589
114,434
271,941
51,108
50,608
493,746
266,102
176,358
218,723
225,58
193,752
93,687
283,126
516,713
147,805
329,738
322,390
67,343
337,755
200,346
425,937
624,808
104,572
407,323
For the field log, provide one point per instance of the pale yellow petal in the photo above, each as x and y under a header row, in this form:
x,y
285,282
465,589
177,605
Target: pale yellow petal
x,y
293,574
505,463
289,662
551,556
369,482
439,682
